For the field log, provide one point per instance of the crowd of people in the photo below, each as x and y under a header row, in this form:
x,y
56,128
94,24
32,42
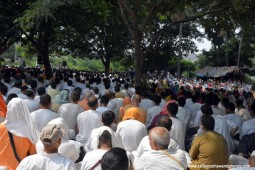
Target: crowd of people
x,y
90,120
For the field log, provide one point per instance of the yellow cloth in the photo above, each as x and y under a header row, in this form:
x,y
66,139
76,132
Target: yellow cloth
x,y
23,147
135,113
209,148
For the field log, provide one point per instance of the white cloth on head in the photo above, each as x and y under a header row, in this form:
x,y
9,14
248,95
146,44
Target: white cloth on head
x,y
145,146
131,132
42,117
69,112
44,160
178,132
91,158
18,120
93,141
86,122
153,159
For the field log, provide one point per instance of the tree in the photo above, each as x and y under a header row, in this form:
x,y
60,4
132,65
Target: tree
x,y
139,18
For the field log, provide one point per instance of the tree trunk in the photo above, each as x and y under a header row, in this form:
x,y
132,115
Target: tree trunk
x,y
138,60
106,61
179,52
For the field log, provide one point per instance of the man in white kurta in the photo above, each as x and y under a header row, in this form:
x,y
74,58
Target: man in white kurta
x,y
131,132
153,111
194,108
160,157
44,115
70,111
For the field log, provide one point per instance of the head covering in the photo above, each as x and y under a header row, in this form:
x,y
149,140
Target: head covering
x,y
132,113
63,125
18,120
62,97
3,108
51,134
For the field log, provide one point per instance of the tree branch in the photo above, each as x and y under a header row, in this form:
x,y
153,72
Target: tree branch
x,y
125,19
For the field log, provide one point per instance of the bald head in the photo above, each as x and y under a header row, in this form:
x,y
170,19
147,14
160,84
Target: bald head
x,y
159,138
136,99
87,94
108,93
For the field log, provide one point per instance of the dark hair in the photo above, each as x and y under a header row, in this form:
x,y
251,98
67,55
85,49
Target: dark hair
x,y
69,82
156,98
53,85
75,95
230,106
45,100
41,91
33,83
104,99
96,90
108,117
215,100
181,101
10,97
208,99
172,108
253,107
92,101
105,137
115,159
3,89
206,109
30,93
208,122
224,101
165,122
239,102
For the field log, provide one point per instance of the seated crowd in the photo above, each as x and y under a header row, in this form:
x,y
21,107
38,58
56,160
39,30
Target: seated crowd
x,y
79,120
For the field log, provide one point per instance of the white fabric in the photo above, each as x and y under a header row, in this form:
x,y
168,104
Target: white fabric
x,y
244,113
236,119
32,105
18,120
198,118
101,110
22,96
189,102
86,122
91,158
178,132
43,160
146,104
163,103
119,104
248,127
93,141
14,90
145,146
42,117
69,112
183,114
194,109
153,159
217,111
2,119
151,113
131,132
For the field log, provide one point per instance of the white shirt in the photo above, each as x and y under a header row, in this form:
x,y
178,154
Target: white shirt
x,y
189,102
217,111
44,160
101,110
91,158
183,114
42,117
69,112
32,105
22,96
14,90
248,127
244,113
93,141
86,122
131,132
151,113
145,146
236,119
146,104
119,102
178,132
153,159
162,103
194,109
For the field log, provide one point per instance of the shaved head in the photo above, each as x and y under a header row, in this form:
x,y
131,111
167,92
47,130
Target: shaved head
x,y
159,138
136,99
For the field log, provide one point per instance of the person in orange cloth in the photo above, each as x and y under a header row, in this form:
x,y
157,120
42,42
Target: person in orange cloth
x,y
3,108
19,127
135,112
126,105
